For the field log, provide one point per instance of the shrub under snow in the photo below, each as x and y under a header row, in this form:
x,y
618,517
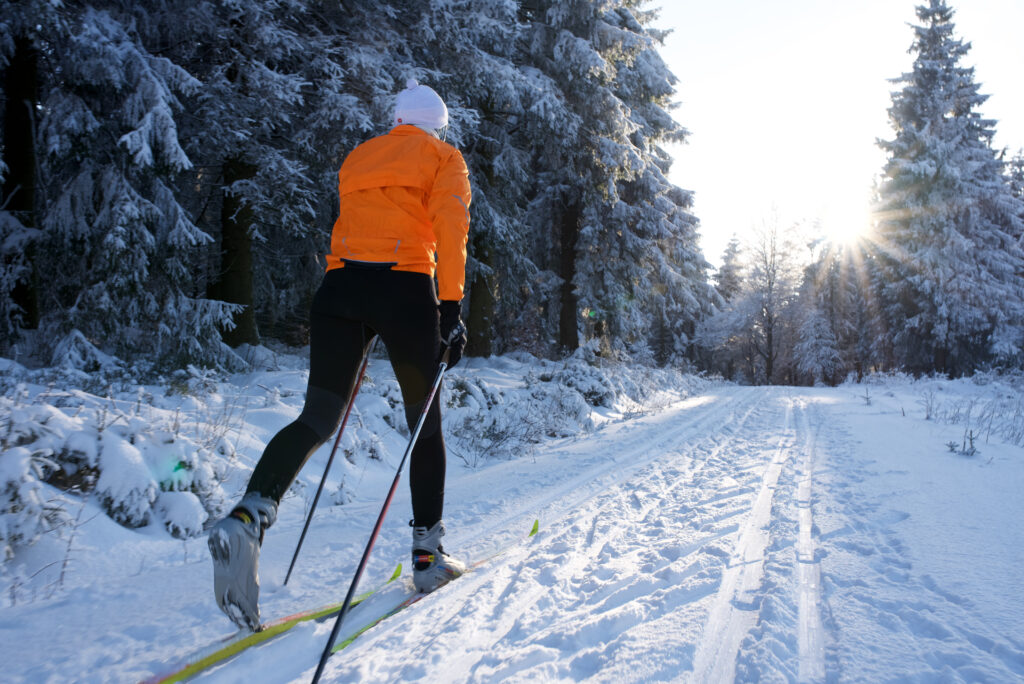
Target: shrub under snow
x,y
25,513
139,463
126,489
182,512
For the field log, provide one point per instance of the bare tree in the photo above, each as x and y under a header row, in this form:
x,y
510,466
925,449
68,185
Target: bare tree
x,y
758,325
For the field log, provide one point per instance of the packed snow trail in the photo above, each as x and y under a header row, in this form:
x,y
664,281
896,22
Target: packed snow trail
x,y
696,558
811,634
788,534
731,617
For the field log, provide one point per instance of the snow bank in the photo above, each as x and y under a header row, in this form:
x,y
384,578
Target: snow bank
x,y
172,456
988,406
748,533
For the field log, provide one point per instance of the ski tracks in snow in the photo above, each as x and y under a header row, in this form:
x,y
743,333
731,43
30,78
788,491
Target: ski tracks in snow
x,y
658,573
842,597
811,632
768,608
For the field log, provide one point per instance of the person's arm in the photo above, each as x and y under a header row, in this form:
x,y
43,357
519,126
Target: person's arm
x,y
449,212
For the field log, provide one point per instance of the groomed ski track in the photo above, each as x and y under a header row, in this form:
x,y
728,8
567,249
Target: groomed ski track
x,y
650,528
680,546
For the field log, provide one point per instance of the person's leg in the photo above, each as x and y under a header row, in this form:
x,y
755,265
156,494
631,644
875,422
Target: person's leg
x,y
409,328
426,478
337,345
336,351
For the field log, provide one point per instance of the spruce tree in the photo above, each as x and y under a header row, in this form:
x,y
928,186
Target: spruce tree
x,y
27,30
948,265
835,328
729,278
1015,179
117,258
189,154
257,194
489,101
571,81
619,237
662,278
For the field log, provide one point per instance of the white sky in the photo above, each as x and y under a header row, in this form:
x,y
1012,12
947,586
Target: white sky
x,y
785,99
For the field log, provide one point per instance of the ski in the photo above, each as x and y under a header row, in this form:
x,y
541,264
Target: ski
x,y
416,596
230,646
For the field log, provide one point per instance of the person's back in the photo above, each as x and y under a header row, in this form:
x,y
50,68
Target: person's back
x,y
404,196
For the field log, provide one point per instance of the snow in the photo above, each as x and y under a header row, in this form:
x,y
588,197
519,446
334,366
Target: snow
x,y
183,513
125,487
689,531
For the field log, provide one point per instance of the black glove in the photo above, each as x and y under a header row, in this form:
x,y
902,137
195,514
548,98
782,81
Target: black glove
x,y
453,331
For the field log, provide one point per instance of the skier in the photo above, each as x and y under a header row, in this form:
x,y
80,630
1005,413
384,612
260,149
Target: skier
x,y
404,217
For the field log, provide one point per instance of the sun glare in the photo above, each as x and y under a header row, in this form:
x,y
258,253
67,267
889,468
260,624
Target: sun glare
x,y
844,214
846,223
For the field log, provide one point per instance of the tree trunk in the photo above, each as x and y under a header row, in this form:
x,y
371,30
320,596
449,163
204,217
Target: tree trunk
x,y
21,91
236,277
568,322
480,324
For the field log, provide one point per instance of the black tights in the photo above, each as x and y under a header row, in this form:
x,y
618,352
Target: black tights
x,y
350,307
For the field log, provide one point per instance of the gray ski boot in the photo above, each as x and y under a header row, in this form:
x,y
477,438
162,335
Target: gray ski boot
x,y
235,546
431,566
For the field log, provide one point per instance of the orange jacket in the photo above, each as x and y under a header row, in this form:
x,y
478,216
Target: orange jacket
x,y
404,198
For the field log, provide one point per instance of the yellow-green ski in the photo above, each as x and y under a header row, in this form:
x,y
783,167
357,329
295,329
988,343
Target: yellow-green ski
x,y
236,643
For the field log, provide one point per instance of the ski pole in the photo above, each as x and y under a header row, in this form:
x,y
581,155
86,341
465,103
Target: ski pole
x,y
337,441
380,519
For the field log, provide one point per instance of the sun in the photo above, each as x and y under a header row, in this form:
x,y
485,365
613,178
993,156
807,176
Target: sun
x,y
844,218
846,225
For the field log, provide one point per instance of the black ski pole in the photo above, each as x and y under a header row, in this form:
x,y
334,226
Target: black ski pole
x,y
337,441
380,519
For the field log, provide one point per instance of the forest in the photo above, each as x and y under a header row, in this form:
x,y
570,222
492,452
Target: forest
x,y
169,186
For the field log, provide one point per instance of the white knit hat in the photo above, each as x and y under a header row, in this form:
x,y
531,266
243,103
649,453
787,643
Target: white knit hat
x,y
421,106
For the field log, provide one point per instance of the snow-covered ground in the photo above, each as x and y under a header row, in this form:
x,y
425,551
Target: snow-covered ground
x,y
704,533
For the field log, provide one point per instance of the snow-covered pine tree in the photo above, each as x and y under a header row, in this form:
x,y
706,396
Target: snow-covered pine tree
x,y
1015,174
26,29
602,196
114,261
729,277
253,192
726,340
662,269
816,351
947,261
194,146
835,328
838,285
573,82
720,342
1015,178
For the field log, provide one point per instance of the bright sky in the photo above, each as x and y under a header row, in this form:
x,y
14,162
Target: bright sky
x,y
785,99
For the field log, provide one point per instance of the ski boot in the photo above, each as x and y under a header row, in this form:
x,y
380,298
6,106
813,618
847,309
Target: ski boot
x,y
431,566
235,546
